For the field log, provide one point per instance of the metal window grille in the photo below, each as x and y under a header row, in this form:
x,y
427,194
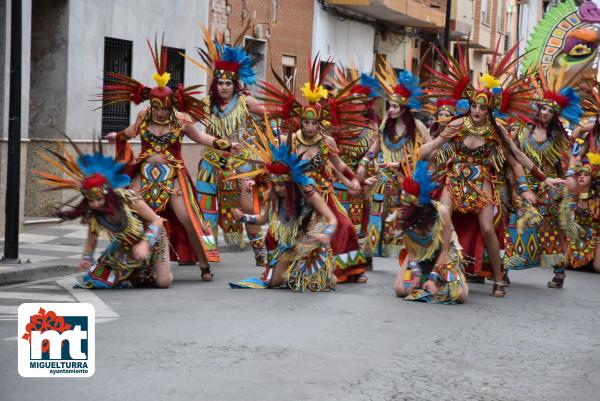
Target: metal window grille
x,y
117,58
176,67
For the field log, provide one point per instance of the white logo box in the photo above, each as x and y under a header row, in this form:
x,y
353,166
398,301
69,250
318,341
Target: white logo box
x,y
77,362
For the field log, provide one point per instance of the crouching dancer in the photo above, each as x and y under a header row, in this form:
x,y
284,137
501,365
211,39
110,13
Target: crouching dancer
x,y
137,253
431,264
300,223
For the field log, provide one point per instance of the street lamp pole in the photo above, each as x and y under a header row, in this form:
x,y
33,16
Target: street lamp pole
x,y
447,25
13,170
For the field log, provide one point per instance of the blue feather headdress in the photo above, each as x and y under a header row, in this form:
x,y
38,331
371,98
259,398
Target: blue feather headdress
x,y
235,63
273,159
420,184
403,88
367,85
564,100
88,173
285,162
106,166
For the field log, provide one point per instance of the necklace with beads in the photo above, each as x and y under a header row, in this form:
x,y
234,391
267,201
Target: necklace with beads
x,y
477,130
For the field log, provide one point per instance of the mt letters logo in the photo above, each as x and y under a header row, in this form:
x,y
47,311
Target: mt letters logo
x,y
56,340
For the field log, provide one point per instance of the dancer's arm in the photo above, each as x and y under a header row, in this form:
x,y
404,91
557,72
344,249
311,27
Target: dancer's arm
x,y
207,140
451,129
524,189
127,132
368,158
581,129
341,178
88,251
254,219
322,209
254,106
339,164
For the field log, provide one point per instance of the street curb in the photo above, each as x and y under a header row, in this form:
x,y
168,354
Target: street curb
x,y
22,273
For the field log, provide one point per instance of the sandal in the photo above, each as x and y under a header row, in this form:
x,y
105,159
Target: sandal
x,y
361,279
207,275
557,281
498,290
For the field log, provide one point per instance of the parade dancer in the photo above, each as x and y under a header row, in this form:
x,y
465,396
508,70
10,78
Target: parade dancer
x,y
399,133
546,143
228,106
431,263
355,146
159,173
477,151
341,113
443,110
301,224
580,217
137,253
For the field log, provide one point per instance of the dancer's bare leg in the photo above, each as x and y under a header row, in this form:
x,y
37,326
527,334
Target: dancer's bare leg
x,y
280,268
177,204
164,276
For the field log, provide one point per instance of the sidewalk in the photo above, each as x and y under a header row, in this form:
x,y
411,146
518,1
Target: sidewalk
x,y
54,251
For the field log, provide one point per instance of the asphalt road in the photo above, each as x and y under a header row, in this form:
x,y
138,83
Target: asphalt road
x,y
204,341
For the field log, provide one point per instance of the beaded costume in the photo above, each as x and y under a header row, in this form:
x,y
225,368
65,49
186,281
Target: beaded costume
x,y
158,179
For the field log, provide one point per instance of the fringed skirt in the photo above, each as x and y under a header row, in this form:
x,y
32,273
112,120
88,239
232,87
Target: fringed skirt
x,y
116,267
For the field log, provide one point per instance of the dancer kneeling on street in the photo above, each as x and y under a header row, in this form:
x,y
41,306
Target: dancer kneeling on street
x,y
300,222
431,264
137,253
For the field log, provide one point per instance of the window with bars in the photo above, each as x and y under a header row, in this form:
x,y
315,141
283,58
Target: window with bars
x,y
176,67
288,64
117,58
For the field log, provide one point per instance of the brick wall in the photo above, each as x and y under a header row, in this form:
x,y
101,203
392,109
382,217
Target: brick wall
x,y
286,25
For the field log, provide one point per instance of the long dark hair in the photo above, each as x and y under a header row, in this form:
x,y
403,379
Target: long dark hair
x,y
555,127
213,91
409,122
417,217
293,202
112,205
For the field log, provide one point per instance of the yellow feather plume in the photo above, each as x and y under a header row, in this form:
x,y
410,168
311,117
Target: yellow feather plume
x,y
489,81
161,79
313,95
594,158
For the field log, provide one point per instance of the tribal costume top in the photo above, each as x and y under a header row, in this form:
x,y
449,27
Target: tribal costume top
x,y
317,168
468,168
547,155
352,153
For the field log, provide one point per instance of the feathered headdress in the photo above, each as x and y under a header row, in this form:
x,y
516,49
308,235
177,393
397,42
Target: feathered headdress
x,y
418,182
222,61
564,100
403,88
126,89
499,89
273,159
340,111
364,84
92,174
